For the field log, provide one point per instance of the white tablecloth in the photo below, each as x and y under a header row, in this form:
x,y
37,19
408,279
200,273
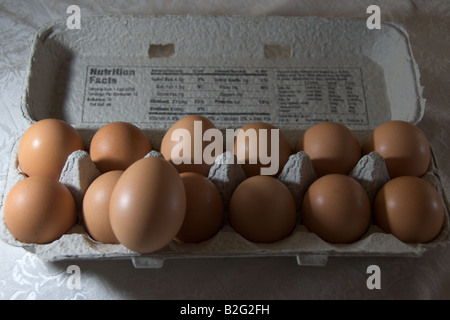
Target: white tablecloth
x,y
24,276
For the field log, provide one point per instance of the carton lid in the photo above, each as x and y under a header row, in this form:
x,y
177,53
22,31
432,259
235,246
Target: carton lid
x,y
289,71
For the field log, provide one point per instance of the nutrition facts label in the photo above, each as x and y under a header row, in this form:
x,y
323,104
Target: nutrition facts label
x,y
227,96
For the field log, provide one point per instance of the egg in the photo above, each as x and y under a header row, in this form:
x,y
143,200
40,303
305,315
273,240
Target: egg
x,y
95,211
262,209
410,208
45,146
147,205
116,145
204,209
404,147
332,147
187,135
336,208
252,157
39,209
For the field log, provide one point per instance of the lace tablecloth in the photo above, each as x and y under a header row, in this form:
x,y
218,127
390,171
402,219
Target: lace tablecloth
x,y
24,276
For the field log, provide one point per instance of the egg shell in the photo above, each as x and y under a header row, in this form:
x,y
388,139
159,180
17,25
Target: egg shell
x,y
45,146
336,208
404,147
167,145
148,205
117,145
95,210
204,209
39,209
262,209
410,208
243,148
332,147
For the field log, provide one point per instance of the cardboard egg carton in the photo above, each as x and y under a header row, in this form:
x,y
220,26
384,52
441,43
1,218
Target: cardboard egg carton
x,y
291,72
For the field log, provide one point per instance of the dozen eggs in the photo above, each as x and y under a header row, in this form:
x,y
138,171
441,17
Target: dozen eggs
x,y
144,203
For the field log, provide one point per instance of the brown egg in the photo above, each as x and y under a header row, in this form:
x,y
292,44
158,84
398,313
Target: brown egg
x,y
410,208
248,151
337,209
404,147
148,205
39,210
173,147
96,207
117,145
262,209
332,147
204,209
45,146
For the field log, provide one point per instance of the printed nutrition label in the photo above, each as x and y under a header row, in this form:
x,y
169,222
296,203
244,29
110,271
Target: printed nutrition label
x,y
313,95
227,96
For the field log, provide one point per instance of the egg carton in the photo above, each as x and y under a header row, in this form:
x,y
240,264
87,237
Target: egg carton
x,y
298,173
292,72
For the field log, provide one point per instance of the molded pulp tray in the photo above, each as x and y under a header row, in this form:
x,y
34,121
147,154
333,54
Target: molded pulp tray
x,y
291,72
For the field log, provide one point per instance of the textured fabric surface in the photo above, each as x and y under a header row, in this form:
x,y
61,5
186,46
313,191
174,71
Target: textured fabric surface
x,y
24,276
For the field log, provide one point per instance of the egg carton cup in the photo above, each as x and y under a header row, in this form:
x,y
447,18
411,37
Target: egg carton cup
x,y
260,58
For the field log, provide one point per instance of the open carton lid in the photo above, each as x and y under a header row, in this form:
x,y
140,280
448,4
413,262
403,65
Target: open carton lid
x,y
289,71
292,72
